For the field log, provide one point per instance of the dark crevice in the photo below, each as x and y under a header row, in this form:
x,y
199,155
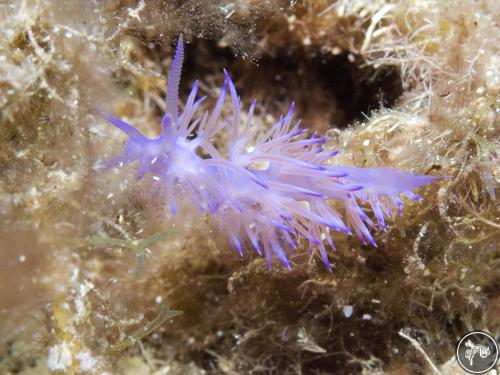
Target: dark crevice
x,y
329,91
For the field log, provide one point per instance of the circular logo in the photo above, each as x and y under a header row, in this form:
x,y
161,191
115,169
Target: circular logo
x,y
477,352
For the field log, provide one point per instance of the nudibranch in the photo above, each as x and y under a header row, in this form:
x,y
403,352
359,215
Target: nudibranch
x,y
271,187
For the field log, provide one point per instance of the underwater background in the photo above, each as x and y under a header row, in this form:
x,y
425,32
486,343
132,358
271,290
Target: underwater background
x,y
98,275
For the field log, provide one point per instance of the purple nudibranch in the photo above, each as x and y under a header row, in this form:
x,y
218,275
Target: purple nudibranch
x,y
272,187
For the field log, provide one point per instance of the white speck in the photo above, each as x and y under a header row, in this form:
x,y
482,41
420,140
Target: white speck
x,y
22,153
366,142
60,288
22,258
249,149
134,13
110,195
367,317
74,274
85,288
156,178
80,305
59,357
228,9
307,41
154,160
87,363
348,310
269,118
158,299
375,300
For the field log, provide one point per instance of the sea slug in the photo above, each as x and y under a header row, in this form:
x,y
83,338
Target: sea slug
x,y
272,187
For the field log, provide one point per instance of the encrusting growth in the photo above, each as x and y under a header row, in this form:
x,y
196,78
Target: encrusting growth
x,y
272,187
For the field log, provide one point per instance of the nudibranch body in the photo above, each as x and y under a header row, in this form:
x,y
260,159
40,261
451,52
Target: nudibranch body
x,y
271,187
